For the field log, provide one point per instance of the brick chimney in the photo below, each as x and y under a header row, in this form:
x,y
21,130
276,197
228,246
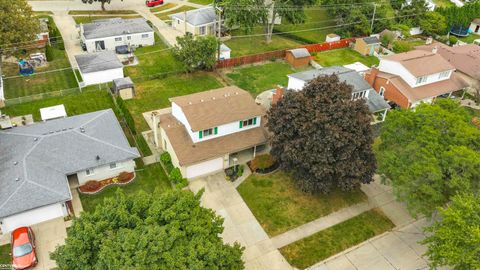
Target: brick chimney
x,y
371,76
279,92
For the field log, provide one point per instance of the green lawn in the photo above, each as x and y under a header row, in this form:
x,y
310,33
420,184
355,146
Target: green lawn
x,y
147,179
5,257
342,57
163,7
315,18
154,94
164,15
258,78
201,2
443,3
152,62
470,38
280,206
87,101
326,243
89,19
253,45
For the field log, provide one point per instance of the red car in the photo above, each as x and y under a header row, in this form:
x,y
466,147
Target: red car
x,y
23,248
152,3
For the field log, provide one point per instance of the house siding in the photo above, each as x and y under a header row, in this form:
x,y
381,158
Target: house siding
x,y
104,76
104,172
110,43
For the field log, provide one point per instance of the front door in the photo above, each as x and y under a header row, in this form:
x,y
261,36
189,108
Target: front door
x,y
100,45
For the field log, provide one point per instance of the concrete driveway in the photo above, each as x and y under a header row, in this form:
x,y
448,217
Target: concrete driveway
x,y
48,235
240,224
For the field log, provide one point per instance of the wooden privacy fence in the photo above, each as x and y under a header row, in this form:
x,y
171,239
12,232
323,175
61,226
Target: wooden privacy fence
x,y
255,58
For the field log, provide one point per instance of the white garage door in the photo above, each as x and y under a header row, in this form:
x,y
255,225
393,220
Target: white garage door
x,y
205,167
32,217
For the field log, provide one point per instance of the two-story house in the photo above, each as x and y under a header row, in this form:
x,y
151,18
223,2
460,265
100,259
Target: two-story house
x,y
407,79
360,88
108,34
209,131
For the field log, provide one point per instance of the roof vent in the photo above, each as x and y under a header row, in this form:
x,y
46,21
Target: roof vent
x,y
35,139
97,157
236,93
213,98
82,130
15,162
189,103
201,100
17,179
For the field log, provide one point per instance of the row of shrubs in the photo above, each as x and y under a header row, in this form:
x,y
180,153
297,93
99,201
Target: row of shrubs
x,y
174,173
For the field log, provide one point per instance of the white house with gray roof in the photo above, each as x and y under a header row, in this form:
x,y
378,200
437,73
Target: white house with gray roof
x,y
199,22
36,160
360,87
100,67
108,34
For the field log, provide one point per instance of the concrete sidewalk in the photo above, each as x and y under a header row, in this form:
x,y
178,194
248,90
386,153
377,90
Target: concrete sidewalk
x,y
240,224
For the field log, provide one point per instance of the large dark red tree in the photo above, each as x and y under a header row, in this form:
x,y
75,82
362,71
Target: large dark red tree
x,y
323,137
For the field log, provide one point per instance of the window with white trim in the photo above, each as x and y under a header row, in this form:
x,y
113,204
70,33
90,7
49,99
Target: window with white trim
x,y
358,95
382,91
129,37
144,35
113,165
444,74
248,122
118,39
202,30
421,79
207,132
90,171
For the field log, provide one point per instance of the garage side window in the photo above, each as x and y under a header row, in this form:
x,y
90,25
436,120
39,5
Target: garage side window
x,y
118,39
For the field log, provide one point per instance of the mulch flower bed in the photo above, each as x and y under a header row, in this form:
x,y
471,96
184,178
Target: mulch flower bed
x,y
93,186
263,164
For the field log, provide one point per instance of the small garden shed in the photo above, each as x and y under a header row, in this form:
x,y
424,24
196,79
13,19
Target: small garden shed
x,y
298,57
124,88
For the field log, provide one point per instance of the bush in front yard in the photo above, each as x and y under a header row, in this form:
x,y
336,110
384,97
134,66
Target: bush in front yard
x,y
264,161
166,160
177,179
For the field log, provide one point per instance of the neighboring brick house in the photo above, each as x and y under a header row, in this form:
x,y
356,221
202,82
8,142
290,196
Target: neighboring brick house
x,y
465,59
210,131
407,79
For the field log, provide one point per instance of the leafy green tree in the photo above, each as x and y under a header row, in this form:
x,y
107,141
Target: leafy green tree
x,y
323,136
410,14
196,52
102,2
148,231
454,240
433,23
461,16
430,154
358,24
18,26
400,46
248,13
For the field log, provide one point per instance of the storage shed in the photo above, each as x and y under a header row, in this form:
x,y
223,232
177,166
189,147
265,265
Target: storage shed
x,y
298,57
124,88
367,45
99,67
224,52
332,37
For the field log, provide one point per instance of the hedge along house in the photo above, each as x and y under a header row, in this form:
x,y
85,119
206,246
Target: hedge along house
x,y
408,79
199,22
210,131
37,160
360,88
100,67
109,34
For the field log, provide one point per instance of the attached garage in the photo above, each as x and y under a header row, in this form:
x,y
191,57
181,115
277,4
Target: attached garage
x,y
33,216
203,168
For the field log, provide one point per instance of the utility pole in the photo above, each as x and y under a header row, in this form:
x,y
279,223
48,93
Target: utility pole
x,y
373,17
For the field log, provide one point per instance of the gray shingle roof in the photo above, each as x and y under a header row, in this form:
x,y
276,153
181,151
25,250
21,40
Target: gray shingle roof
x,y
121,83
371,40
300,53
115,27
375,102
100,61
197,16
41,155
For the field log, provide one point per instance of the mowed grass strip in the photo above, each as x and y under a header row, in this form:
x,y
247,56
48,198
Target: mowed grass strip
x,y
163,7
165,15
280,206
241,46
201,2
5,257
89,19
260,77
340,57
147,179
319,246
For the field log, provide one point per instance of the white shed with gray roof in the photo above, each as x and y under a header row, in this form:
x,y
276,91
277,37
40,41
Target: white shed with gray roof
x,y
108,34
36,160
101,67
